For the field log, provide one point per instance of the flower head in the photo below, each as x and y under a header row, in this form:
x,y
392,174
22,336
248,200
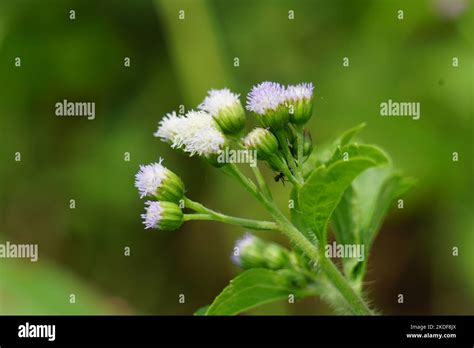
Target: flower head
x,y
224,106
299,99
169,127
263,141
156,180
162,215
149,178
195,133
267,101
265,96
299,92
200,135
219,99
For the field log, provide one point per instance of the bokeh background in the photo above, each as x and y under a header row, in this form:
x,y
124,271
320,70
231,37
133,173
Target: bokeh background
x,y
174,62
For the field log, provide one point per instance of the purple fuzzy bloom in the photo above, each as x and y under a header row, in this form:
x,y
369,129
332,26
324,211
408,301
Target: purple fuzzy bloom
x,y
265,96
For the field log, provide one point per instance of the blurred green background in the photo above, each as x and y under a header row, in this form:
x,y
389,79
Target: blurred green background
x,y
174,62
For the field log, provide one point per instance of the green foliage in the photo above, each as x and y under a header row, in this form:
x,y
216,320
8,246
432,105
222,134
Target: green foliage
x,y
324,188
255,287
324,152
351,186
359,215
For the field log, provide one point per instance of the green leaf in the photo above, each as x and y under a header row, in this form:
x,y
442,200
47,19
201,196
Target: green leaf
x,y
254,287
201,311
323,153
323,190
348,135
360,214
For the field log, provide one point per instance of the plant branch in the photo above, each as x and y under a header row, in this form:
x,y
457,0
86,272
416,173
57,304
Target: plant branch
x,y
357,304
261,182
209,214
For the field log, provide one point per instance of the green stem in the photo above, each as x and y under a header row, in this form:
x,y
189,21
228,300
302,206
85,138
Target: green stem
x,y
280,134
209,214
283,166
261,182
191,217
300,140
359,307
335,277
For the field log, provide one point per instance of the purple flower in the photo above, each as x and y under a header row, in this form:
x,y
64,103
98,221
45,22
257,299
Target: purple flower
x,y
265,96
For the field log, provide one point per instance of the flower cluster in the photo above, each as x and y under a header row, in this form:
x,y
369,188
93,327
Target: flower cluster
x,y
216,125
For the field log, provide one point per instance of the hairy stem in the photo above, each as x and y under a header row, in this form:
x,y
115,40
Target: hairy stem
x,y
356,303
359,307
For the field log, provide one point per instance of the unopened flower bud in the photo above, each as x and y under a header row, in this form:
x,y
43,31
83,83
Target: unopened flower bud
x,y
162,215
299,99
226,109
253,252
263,141
158,181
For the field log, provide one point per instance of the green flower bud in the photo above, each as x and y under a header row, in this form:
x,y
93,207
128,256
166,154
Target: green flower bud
x,y
263,141
162,215
253,252
275,119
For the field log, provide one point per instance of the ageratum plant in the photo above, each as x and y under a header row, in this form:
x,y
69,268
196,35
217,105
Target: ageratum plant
x,y
345,186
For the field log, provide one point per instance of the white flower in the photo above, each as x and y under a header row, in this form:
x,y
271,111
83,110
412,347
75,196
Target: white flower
x,y
152,216
265,96
149,178
218,100
196,133
169,127
299,92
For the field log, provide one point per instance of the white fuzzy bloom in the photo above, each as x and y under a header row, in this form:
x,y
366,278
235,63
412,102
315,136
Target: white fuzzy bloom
x,y
169,127
265,96
299,92
240,245
149,178
219,99
153,213
195,133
